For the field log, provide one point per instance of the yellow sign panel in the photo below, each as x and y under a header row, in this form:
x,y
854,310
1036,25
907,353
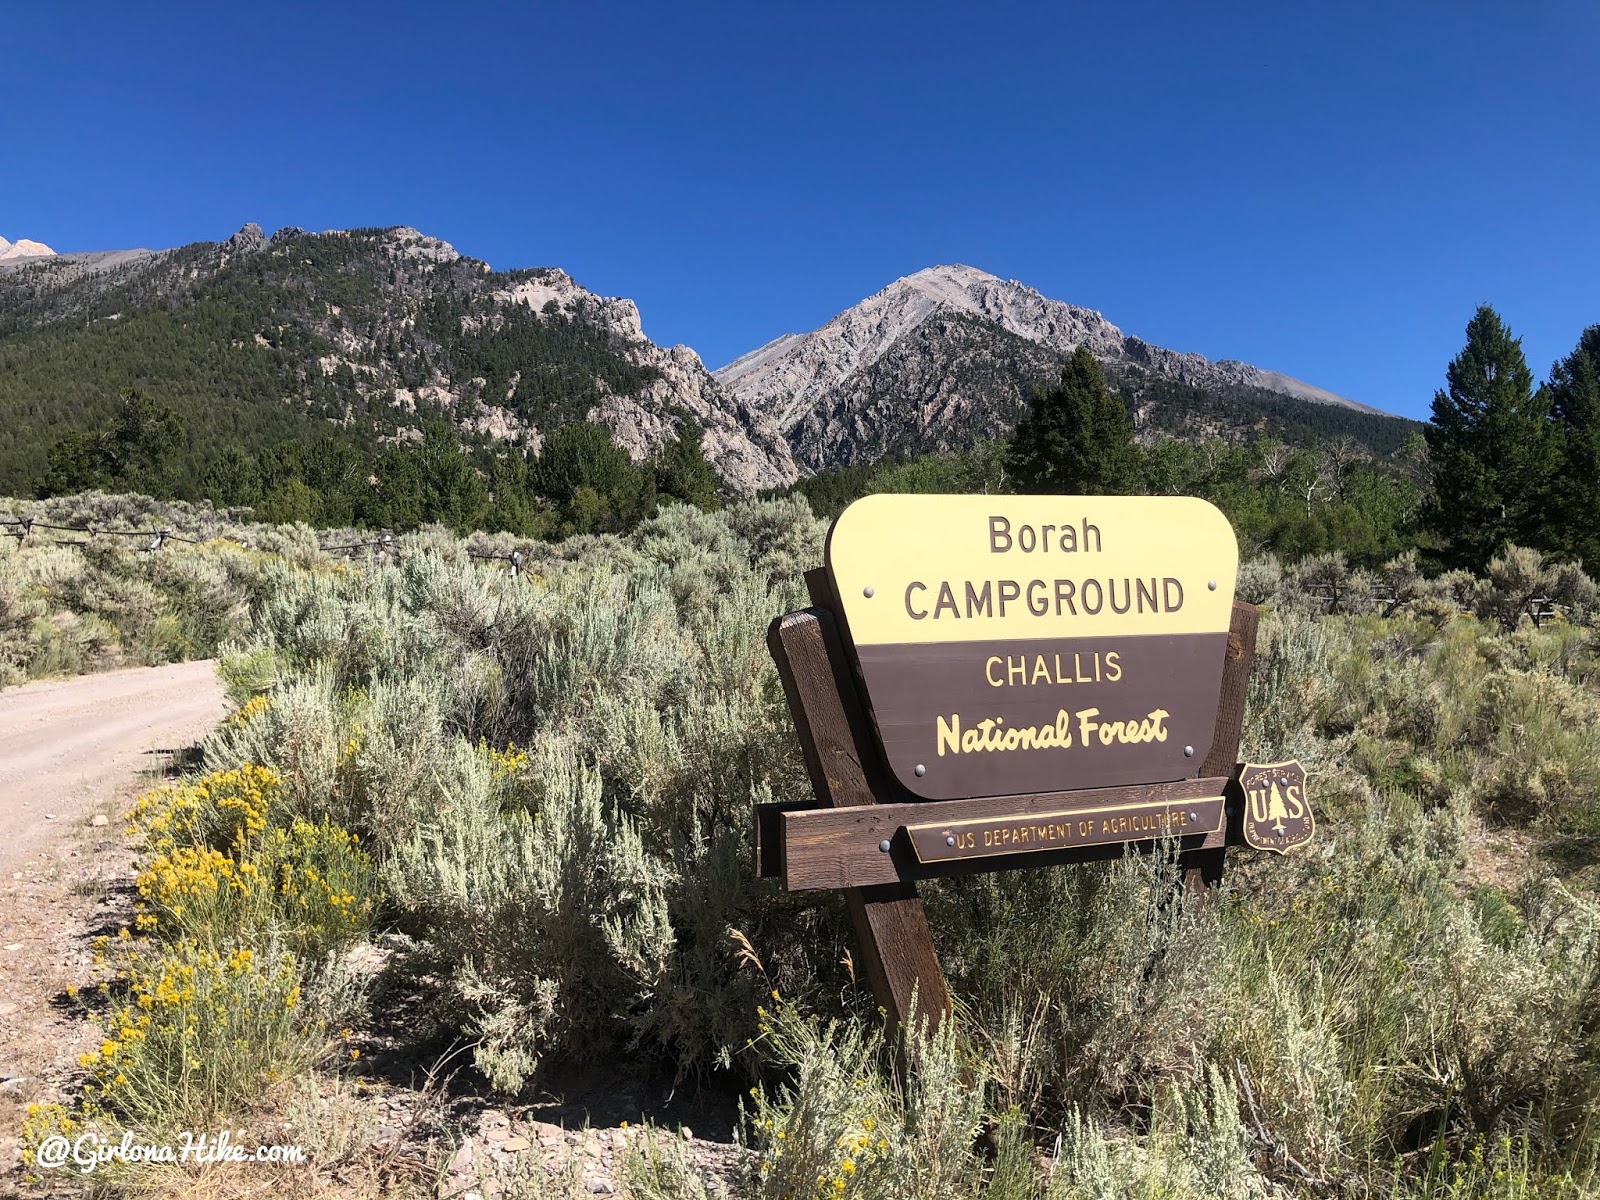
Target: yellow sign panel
x,y
940,569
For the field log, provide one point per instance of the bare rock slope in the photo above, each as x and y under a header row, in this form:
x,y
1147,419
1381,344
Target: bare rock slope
x,y
23,248
947,355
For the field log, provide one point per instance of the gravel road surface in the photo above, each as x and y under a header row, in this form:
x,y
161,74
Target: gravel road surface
x,y
65,743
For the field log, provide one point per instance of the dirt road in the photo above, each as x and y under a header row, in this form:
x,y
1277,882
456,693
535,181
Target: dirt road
x,y
67,743
73,750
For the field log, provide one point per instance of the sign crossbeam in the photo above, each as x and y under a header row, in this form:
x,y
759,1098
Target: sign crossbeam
x,y
841,847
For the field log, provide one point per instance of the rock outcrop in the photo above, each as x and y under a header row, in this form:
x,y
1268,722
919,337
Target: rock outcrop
x,y
744,445
247,240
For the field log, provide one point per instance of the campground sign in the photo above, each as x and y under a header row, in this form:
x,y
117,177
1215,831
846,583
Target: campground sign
x,y
991,682
1033,643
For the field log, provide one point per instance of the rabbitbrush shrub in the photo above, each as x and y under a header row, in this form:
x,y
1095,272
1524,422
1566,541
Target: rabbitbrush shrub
x,y
226,860
242,908
195,1032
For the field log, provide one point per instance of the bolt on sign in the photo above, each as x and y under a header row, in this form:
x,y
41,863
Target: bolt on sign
x,y
990,682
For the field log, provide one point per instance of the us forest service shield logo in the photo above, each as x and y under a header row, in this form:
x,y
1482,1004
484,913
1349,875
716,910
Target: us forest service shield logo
x,y
1277,812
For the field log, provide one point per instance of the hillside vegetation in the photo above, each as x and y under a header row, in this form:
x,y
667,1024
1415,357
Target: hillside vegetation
x,y
533,792
307,336
1503,462
288,373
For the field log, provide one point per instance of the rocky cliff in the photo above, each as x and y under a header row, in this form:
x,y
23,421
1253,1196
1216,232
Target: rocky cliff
x,y
743,443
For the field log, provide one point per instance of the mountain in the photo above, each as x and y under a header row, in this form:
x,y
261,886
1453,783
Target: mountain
x,y
367,334
22,248
947,356
362,333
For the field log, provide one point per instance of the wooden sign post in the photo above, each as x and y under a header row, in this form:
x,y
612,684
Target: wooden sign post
x,y
986,683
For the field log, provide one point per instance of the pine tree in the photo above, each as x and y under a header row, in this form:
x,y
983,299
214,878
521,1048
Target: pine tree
x,y
592,480
1492,449
682,471
138,450
1575,409
432,480
74,463
513,505
233,477
1076,437
577,456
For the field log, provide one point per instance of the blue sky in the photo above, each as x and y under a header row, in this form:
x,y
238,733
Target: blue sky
x,y
1324,189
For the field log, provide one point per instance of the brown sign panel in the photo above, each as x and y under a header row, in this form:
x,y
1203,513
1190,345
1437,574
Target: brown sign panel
x,y
1024,644
1003,718
1277,811
1065,830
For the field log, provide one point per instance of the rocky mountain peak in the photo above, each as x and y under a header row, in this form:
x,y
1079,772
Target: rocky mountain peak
x,y
789,376
952,282
969,289
947,355
23,248
247,239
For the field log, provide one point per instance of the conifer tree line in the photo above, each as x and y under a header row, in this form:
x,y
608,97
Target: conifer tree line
x,y
580,481
1503,462
1512,462
1332,497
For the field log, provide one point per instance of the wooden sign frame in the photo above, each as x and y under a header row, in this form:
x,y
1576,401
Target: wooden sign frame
x,y
857,834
